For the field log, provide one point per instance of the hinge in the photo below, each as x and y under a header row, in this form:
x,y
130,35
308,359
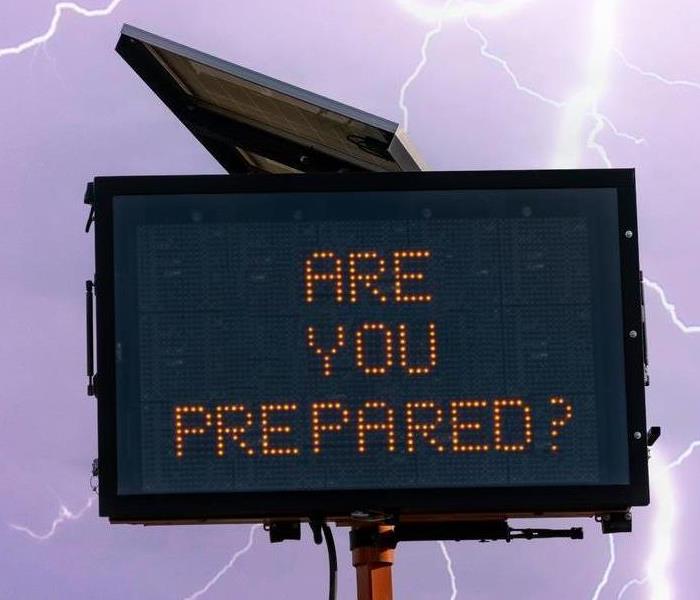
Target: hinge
x,y
89,333
89,198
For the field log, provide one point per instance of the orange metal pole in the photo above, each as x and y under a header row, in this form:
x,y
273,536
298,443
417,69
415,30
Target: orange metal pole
x,y
373,568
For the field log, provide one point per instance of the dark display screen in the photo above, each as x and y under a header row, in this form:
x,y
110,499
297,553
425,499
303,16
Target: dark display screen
x,y
368,340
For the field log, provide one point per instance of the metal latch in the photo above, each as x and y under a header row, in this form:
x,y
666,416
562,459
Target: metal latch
x,y
89,331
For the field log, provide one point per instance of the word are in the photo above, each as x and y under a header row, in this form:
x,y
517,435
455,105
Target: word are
x,y
464,426
364,270
394,348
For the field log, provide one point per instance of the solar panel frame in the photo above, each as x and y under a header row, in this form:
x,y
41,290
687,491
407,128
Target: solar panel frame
x,y
180,75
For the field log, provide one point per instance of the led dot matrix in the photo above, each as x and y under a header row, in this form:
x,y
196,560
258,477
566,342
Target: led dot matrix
x,y
557,423
424,428
318,426
326,355
498,407
457,426
363,425
233,431
181,431
268,429
360,358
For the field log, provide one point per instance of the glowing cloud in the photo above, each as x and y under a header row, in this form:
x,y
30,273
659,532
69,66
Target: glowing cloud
x,y
430,12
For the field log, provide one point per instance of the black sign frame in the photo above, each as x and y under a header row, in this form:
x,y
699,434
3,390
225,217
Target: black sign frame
x,y
410,503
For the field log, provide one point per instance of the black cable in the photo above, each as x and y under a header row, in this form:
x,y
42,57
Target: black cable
x,y
332,561
321,530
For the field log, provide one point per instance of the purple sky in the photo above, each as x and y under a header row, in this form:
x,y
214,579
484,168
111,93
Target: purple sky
x,y
533,85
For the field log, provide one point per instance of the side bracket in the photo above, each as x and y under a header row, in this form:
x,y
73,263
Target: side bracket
x,y
616,522
482,531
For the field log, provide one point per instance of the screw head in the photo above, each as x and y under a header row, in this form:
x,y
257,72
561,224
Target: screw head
x,y
629,234
633,334
637,435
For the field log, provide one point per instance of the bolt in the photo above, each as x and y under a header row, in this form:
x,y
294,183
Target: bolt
x,y
359,514
629,234
637,435
633,334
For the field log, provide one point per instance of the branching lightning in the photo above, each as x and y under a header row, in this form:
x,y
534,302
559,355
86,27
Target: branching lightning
x,y
59,9
662,527
671,308
450,571
608,569
653,75
227,566
662,530
484,50
424,59
629,584
64,514
583,104
684,455
661,484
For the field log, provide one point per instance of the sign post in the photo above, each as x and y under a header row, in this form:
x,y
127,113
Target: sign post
x,y
373,566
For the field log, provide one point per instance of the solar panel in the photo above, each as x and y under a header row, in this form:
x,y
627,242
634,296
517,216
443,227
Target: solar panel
x,y
252,122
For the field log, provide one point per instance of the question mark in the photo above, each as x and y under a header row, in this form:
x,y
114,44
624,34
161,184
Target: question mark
x,y
558,423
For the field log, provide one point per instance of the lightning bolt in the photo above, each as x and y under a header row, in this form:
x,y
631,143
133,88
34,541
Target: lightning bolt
x,y
59,9
685,454
659,559
653,75
64,514
629,584
227,566
662,530
671,308
662,548
608,569
423,61
585,104
450,572
484,50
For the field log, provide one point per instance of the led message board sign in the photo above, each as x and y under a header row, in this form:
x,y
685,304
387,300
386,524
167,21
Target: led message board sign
x,y
416,343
